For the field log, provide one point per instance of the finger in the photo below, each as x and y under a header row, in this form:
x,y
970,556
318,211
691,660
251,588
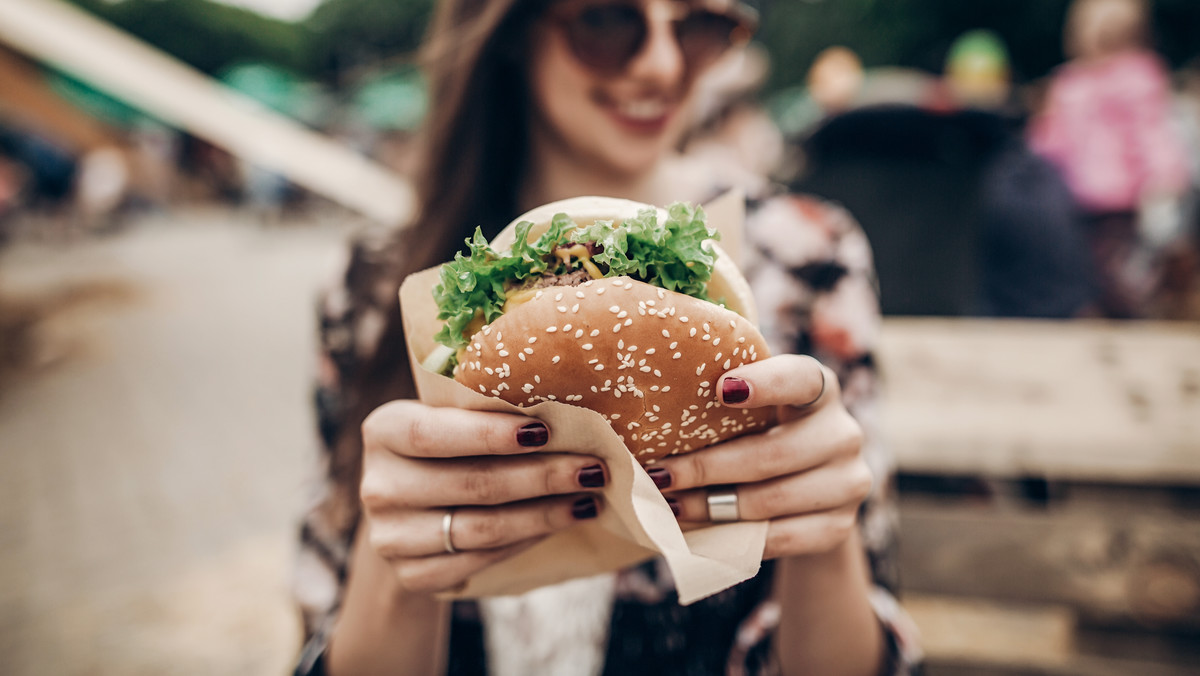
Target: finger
x,y
785,380
809,534
422,533
782,450
447,572
829,487
391,482
412,429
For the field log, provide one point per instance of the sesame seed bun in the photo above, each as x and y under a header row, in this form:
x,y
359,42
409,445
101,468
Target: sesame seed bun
x,y
645,358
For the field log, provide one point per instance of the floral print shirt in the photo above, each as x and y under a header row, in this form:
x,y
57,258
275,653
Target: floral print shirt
x,y
810,267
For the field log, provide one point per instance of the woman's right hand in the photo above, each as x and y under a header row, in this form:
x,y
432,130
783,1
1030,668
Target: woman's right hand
x,y
422,462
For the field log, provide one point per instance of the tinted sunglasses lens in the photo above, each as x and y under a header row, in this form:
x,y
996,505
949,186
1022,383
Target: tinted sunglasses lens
x,y
703,36
606,37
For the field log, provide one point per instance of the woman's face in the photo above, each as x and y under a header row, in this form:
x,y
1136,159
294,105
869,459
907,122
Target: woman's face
x,y
620,122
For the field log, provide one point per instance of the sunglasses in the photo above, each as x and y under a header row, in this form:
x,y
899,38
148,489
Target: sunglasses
x,y
607,36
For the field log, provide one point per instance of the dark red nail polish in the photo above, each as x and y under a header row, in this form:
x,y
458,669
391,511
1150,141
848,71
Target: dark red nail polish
x,y
585,508
591,476
660,476
533,434
674,505
734,390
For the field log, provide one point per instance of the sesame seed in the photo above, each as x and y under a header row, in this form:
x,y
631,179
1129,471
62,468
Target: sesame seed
x,y
706,328
567,327
575,308
718,357
615,309
661,294
532,340
622,315
648,351
665,334
705,337
701,369
482,389
593,361
629,322
537,379
579,294
633,348
654,388
555,360
557,297
599,367
561,308
657,373
503,353
551,329
620,344
594,333
727,364
579,333
667,388
599,291
741,339
716,341
683,319
487,329
628,285
489,370
587,346
692,333
521,356
616,328
645,369
616,416
677,355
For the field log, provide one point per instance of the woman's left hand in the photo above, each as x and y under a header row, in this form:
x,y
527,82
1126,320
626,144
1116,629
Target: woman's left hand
x,y
806,475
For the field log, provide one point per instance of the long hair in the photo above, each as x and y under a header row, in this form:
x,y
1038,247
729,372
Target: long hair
x,y
472,156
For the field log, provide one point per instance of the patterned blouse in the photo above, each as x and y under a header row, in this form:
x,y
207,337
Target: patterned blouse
x,y
811,270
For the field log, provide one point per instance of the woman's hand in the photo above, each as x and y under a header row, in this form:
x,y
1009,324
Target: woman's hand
x,y
422,463
806,475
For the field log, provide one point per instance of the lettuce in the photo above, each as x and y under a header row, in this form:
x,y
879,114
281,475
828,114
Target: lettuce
x,y
670,255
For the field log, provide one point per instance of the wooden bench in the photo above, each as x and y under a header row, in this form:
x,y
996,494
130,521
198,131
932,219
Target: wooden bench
x,y
1050,493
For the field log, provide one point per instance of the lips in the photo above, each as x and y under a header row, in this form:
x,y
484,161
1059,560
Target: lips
x,y
642,116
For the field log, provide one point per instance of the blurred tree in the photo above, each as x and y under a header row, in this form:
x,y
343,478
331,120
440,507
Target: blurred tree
x,y
918,33
350,34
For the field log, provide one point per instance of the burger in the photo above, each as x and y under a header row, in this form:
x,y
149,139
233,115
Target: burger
x,y
615,306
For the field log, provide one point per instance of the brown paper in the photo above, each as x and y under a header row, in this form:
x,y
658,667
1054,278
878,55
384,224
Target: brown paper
x,y
635,522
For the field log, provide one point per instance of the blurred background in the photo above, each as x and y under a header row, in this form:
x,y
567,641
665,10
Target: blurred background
x,y
177,178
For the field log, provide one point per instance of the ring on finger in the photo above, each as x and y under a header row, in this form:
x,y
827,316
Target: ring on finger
x,y
821,370
447,541
723,505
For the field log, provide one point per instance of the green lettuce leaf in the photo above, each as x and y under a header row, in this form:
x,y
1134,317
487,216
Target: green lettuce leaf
x,y
670,255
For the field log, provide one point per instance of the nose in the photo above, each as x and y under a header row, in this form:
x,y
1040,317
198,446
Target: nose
x,y
660,60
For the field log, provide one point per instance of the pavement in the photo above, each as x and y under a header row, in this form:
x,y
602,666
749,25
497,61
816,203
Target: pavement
x,y
156,441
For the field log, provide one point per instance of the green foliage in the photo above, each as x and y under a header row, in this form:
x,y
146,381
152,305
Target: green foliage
x,y
353,33
208,35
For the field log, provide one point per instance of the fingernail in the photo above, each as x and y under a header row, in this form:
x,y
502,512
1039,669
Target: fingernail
x,y
591,476
734,390
660,476
585,508
533,434
674,505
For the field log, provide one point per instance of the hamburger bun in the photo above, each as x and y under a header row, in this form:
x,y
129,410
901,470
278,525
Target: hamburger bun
x,y
648,360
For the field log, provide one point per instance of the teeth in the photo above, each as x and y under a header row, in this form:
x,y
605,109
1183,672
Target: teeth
x,y
643,110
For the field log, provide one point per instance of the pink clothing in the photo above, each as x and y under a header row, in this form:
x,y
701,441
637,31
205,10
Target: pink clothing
x,y
1107,125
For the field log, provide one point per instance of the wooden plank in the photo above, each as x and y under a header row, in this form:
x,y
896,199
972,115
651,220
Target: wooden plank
x,y
975,637
1080,400
1120,563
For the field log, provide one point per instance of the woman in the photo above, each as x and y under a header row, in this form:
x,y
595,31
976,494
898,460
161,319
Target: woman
x,y
534,102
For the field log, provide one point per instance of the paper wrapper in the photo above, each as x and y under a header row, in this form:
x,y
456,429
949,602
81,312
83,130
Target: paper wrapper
x,y
635,522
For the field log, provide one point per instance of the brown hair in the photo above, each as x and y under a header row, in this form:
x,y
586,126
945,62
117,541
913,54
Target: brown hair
x,y
473,153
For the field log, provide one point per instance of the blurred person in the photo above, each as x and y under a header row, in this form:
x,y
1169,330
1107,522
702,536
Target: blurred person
x,y
1106,123
531,102
978,74
835,79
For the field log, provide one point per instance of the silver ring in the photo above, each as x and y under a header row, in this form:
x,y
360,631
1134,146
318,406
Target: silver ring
x,y
821,370
446,541
723,505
